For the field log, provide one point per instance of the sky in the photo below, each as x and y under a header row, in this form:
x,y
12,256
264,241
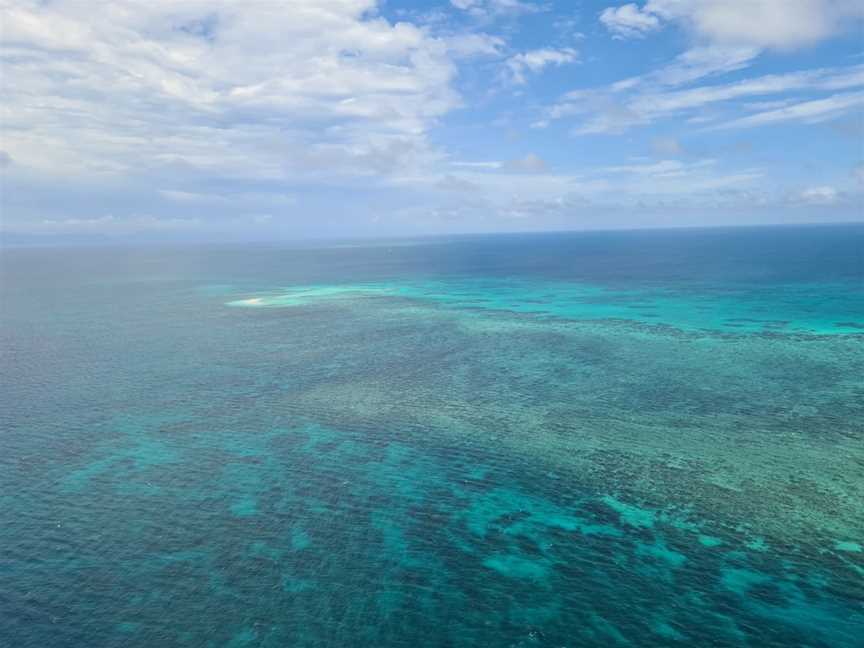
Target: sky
x,y
269,119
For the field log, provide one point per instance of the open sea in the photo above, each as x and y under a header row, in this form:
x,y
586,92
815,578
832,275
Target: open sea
x,y
649,438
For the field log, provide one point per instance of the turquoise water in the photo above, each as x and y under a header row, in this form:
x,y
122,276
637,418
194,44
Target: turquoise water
x,y
788,308
643,439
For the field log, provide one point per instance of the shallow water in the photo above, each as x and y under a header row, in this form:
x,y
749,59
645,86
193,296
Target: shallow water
x,y
643,439
750,308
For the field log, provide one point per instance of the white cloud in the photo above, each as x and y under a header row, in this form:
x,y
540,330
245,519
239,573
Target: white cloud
x,y
643,100
701,62
616,107
629,21
662,169
245,198
266,91
457,184
468,45
498,186
769,24
531,163
673,180
190,197
819,196
536,60
808,112
117,225
824,79
491,8
478,165
728,35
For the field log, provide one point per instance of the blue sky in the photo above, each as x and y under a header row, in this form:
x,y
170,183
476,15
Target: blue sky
x,y
266,120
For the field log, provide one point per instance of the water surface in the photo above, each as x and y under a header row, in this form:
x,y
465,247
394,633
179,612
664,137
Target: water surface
x,y
643,438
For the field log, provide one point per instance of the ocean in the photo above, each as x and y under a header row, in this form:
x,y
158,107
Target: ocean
x,y
645,438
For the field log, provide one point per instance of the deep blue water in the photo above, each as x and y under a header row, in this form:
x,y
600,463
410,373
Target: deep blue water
x,y
633,438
